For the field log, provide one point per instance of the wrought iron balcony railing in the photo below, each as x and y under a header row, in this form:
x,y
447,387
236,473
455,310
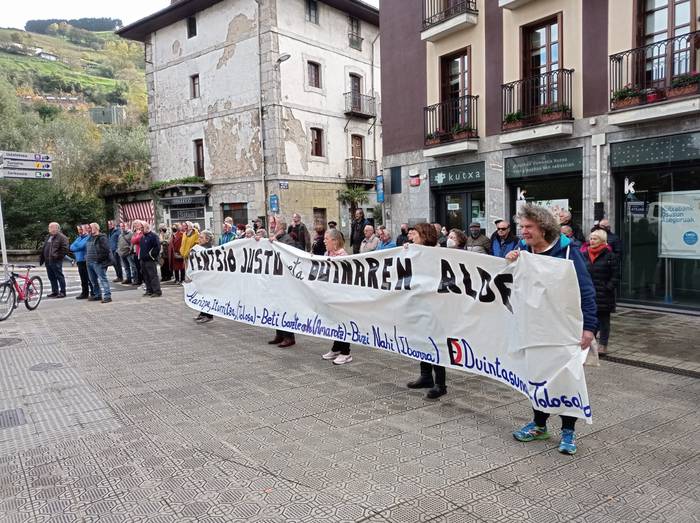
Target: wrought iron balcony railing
x,y
655,72
360,170
360,105
537,100
453,120
437,11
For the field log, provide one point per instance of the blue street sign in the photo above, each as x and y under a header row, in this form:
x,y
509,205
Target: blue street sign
x,y
274,203
380,188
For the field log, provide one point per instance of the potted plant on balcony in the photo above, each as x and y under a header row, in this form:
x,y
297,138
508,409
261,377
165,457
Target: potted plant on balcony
x,y
554,112
463,131
684,85
433,138
654,95
513,121
627,96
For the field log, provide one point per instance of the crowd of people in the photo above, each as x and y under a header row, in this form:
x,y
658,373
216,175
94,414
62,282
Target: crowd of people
x,y
141,256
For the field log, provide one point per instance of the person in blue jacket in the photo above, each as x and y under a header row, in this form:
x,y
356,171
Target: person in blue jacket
x,y
504,239
79,248
541,235
113,233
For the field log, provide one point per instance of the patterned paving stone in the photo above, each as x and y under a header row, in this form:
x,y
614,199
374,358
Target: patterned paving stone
x,y
167,421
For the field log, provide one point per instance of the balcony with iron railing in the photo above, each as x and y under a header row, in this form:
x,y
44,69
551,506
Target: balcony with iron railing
x,y
543,101
359,170
443,17
360,105
662,72
451,126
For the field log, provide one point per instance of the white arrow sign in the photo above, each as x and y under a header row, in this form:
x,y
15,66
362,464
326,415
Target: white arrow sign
x,y
8,163
629,186
36,157
18,173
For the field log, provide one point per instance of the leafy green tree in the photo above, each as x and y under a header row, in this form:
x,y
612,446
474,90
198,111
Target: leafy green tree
x,y
353,196
46,111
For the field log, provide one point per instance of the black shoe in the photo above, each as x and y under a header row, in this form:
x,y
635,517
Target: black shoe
x,y
61,295
107,300
276,341
116,280
126,282
205,319
81,297
156,294
147,293
136,283
52,295
94,298
436,392
421,383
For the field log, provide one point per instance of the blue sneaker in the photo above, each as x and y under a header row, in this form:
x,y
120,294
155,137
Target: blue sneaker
x,y
531,432
568,442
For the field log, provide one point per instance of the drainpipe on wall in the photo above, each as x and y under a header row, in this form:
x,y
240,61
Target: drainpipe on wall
x,y
374,136
260,116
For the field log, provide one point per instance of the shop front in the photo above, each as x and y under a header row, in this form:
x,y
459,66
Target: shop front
x,y
460,198
552,179
186,208
658,219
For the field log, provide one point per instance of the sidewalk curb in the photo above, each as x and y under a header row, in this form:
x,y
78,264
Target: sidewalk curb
x,y
652,366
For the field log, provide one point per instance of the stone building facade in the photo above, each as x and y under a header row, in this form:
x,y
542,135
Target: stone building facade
x,y
591,106
261,107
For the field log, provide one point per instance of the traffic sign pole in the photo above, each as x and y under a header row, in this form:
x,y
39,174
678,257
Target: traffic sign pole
x,y
2,241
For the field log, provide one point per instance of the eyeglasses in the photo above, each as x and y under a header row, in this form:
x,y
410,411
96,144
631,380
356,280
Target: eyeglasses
x,y
502,228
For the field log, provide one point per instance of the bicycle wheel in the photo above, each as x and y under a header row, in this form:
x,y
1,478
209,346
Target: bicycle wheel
x,y
33,293
7,300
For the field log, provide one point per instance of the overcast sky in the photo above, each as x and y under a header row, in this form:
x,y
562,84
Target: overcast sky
x,y
15,13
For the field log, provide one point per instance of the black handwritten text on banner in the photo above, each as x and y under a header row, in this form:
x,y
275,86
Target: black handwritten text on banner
x,y
519,324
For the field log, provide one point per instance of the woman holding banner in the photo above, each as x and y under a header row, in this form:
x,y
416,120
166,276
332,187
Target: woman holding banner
x,y
335,246
426,234
541,235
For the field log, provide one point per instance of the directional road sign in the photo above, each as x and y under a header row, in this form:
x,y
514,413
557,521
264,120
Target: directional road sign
x,y
36,157
8,163
26,174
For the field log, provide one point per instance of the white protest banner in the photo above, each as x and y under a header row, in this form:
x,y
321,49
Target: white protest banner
x,y
519,324
679,224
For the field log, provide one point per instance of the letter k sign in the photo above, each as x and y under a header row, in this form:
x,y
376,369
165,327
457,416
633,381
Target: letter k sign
x,y
521,194
629,186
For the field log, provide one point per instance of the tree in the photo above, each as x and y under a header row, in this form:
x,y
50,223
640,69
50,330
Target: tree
x,y
353,196
46,112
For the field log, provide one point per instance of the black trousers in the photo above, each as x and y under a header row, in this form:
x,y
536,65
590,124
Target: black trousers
x,y
604,331
427,369
118,265
150,276
341,346
85,283
285,335
179,275
567,422
165,272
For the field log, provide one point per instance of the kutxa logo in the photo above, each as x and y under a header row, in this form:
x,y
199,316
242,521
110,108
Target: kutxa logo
x,y
457,348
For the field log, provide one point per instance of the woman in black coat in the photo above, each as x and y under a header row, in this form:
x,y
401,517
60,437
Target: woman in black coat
x,y
601,263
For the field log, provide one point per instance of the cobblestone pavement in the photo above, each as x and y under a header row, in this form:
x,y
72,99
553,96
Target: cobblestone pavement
x,y
130,412
656,338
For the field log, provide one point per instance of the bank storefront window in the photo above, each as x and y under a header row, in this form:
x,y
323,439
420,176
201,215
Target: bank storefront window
x,y
658,195
460,198
553,180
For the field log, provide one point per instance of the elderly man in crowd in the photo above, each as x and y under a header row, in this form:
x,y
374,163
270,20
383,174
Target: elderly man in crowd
x,y
98,259
55,249
504,239
385,241
370,242
113,233
227,235
476,240
149,254
300,233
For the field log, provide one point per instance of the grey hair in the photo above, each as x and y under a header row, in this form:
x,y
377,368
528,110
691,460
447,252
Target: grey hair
x,y
207,234
544,219
335,234
601,234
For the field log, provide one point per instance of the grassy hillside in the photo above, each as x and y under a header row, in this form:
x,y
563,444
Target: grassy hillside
x,y
82,71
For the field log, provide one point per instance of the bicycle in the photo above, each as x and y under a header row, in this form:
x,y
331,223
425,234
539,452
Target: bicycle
x,y
11,292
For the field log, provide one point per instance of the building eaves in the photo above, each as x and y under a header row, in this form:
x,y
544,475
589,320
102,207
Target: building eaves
x,y
141,29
